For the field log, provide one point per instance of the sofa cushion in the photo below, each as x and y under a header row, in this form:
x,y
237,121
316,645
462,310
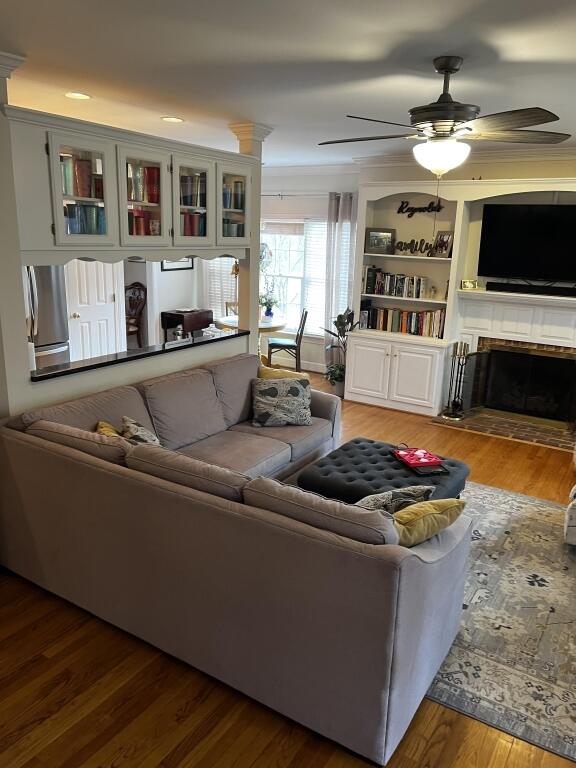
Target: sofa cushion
x,y
86,412
301,440
102,446
185,470
233,380
280,402
249,454
184,407
419,522
369,526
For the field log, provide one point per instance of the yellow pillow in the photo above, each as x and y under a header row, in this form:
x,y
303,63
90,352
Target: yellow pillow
x,y
419,522
105,428
278,373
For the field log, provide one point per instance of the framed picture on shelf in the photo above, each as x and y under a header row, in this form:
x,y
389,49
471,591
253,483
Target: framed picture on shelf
x,y
379,240
443,245
171,266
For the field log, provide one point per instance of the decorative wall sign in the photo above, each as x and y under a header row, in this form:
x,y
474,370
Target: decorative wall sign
x,y
414,246
434,206
379,240
469,285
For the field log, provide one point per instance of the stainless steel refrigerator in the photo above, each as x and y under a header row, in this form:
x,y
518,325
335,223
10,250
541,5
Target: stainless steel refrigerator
x,y
48,315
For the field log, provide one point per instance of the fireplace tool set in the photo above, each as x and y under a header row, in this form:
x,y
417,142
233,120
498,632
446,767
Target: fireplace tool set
x,y
454,408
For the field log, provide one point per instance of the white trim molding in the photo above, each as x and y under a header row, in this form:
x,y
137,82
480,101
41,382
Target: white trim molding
x,y
9,62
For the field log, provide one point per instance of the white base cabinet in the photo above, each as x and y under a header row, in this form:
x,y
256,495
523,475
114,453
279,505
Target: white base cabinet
x,y
400,375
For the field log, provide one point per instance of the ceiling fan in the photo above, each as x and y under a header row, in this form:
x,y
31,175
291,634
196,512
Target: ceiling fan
x,y
440,127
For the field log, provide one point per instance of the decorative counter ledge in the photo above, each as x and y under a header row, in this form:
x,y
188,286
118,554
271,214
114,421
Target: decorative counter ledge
x,y
65,369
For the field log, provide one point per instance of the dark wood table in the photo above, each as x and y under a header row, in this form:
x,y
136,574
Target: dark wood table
x,y
190,319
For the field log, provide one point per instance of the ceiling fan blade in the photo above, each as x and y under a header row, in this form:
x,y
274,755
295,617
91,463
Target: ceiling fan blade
x,y
507,121
370,138
519,137
385,122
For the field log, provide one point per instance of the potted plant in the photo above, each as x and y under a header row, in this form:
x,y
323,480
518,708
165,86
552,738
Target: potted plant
x,y
336,369
268,301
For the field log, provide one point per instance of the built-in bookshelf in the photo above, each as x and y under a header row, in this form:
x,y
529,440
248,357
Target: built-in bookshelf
x,y
193,186
82,191
233,205
144,197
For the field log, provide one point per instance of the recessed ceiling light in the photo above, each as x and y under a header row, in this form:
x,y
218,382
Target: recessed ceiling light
x,y
169,119
77,95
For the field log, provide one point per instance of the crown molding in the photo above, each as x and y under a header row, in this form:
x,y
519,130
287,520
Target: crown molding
x,y
10,62
535,154
250,131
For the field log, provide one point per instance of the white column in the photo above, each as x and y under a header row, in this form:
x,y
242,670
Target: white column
x,y
250,138
13,347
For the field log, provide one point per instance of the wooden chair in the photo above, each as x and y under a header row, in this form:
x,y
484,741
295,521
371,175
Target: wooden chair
x,y
135,298
292,346
231,308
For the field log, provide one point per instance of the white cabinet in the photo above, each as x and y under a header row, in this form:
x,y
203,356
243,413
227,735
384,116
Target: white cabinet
x,y
234,191
84,195
193,200
145,197
397,375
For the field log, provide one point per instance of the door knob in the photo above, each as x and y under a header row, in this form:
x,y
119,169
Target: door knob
x,y
75,316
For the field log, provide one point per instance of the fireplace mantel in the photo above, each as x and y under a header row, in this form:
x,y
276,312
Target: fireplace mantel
x,y
517,316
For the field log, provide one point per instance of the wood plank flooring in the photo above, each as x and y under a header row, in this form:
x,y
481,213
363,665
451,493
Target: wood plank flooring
x,y
78,693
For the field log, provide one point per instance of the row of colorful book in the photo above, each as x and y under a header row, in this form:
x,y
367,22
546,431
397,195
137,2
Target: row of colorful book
x,y
377,282
143,223
78,178
193,190
143,182
428,323
82,219
193,224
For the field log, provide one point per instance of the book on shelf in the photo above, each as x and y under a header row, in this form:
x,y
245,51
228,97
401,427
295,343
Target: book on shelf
x,y
82,177
152,183
193,224
82,219
379,283
428,323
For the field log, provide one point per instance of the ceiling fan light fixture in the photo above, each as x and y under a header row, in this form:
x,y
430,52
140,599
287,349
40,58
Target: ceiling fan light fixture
x,y
441,155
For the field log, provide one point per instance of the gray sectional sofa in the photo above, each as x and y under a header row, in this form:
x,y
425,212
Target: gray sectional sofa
x,y
340,635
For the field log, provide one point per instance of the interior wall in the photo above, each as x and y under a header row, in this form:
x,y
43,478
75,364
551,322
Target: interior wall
x,y
171,290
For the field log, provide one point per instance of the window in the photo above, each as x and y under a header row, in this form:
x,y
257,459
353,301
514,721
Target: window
x,y
293,270
219,284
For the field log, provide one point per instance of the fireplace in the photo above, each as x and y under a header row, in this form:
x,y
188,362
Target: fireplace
x,y
530,379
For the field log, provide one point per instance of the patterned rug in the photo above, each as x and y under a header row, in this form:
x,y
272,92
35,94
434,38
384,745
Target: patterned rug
x,y
513,664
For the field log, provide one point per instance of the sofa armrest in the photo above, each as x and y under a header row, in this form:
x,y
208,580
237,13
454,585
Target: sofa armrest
x,y
329,407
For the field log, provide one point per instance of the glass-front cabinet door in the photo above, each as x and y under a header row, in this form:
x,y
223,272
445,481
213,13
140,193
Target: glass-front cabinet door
x,y
194,200
84,200
233,198
145,197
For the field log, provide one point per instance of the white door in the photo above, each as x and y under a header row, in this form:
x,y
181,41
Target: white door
x,y
413,375
368,368
95,298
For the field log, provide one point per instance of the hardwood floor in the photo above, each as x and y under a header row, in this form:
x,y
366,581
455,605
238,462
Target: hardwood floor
x,y
78,693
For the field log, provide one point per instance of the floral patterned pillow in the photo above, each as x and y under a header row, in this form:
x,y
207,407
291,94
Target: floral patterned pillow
x,y
136,433
280,402
397,499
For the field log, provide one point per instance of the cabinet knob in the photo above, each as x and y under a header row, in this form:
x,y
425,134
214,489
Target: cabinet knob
x,y
75,316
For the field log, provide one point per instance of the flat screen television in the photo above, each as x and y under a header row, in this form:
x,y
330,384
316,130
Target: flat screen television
x,y
531,242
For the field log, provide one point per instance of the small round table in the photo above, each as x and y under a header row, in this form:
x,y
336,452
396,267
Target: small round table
x,y
265,325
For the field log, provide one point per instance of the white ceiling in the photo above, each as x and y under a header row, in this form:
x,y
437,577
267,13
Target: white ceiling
x,y
298,65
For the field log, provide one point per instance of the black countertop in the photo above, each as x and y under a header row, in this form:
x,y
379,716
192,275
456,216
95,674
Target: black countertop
x,y
65,369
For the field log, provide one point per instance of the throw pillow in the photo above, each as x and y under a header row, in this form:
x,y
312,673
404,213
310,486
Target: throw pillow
x,y
103,447
136,433
105,428
368,526
280,402
279,373
419,522
398,498
185,470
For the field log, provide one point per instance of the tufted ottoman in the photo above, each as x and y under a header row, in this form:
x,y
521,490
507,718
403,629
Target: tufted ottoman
x,y
362,466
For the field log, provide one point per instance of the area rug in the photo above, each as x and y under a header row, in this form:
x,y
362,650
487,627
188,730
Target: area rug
x,y
513,663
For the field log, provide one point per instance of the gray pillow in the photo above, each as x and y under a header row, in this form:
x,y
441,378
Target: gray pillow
x,y
396,499
369,526
280,402
136,433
